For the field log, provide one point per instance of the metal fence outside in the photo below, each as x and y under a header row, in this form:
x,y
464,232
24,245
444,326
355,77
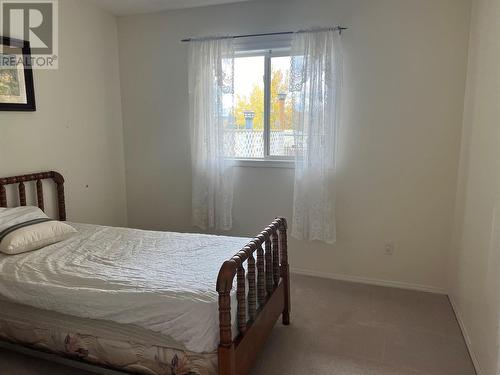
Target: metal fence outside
x,y
249,143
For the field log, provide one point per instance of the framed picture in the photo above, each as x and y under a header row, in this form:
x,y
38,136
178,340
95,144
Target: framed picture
x,y
17,92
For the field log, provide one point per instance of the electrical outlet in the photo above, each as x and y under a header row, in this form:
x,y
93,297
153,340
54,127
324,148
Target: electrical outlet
x,y
389,248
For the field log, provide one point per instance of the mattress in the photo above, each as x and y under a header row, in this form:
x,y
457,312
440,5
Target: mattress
x,y
162,282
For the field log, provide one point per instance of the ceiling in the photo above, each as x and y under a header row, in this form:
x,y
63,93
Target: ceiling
x,y
129,7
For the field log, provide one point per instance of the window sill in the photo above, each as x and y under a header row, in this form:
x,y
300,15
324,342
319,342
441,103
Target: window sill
x,y
264,163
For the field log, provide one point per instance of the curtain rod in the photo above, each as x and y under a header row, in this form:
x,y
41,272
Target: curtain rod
x,y
336,28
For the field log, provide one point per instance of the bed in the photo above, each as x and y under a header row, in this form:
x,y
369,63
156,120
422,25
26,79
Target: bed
x,y
144,302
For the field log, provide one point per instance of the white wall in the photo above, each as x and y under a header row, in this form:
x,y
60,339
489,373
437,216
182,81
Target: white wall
x,y
475,257
77,128
405,64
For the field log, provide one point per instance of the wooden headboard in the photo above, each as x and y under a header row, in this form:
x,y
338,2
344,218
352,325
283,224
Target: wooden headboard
x,y
38,177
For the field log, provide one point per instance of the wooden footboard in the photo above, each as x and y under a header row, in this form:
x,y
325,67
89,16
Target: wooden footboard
x,y
267,298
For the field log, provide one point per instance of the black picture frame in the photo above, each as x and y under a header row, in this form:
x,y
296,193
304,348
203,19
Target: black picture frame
x,y
24,46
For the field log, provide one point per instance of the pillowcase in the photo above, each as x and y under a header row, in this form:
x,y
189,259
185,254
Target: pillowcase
x,y
24,229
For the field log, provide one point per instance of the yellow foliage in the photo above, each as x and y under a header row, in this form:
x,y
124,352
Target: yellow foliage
x,y
255,102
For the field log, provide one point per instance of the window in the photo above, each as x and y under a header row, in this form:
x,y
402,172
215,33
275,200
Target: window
x,y
260,125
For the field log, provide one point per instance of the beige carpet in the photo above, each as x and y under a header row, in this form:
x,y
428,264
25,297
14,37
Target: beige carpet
x,y
341,328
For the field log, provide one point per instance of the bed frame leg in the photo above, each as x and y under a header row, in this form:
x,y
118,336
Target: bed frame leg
x,y
286,310
227,360
285,270
227,353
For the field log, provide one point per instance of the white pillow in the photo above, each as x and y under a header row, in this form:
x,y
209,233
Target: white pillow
x,y
24,229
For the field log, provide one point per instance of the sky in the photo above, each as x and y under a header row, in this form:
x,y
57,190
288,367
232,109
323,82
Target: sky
x,y
250,70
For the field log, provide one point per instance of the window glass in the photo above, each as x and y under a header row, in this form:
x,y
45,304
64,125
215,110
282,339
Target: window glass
x,y
249,132
245,131
281,137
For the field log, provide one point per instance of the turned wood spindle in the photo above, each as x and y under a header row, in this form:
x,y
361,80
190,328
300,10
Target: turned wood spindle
x,y
240,295
283,247
3,196
39,195
226,338
261,277
252,293
22,194
276,259
269,268
223,287
61,204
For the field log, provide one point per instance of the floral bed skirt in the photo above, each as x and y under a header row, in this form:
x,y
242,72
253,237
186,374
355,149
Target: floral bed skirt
x,y
137,358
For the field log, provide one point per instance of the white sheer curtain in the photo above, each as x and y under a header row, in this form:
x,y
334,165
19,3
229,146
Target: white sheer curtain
x,y
211,88
316,79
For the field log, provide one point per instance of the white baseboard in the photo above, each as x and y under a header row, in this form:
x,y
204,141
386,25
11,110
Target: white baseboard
x,y
465,334
366,280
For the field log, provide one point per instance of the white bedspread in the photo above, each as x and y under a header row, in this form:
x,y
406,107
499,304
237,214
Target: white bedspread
x,y
161,281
